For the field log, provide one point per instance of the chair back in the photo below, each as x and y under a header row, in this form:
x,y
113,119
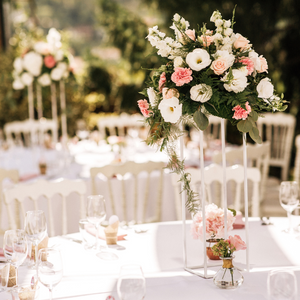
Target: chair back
x,y
213,131
213,180
278,129
133,198
48,189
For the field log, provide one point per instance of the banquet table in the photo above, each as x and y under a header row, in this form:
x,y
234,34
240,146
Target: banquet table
x,y
159,252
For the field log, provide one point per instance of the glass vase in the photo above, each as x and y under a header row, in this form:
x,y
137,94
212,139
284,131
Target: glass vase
x,y
209,244
228,277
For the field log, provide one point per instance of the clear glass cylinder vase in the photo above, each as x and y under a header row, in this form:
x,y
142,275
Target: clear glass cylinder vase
x,y
228,277
209,244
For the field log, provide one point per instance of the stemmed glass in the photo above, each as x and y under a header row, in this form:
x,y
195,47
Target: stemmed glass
x,y
288,196
96,213
131,283
282,285
50,268
35,228
15,248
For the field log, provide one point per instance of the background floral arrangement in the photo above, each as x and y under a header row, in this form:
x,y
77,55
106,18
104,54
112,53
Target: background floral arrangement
x,y
45,61
206,72
225,248
214,222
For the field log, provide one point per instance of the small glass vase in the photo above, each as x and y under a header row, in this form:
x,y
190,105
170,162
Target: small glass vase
x,y
209,244
228,277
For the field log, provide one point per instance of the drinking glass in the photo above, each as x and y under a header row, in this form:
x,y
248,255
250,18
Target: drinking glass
x,y
15,248
282,285
96,213
131,283
288,196
35,228
50,268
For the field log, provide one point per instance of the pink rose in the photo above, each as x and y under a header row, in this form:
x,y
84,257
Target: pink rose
x,y
241,42
248,63
263,65
144,105
49,61
240,113
191,34
207,40
170,93
237,242
182,76
162,81
219,65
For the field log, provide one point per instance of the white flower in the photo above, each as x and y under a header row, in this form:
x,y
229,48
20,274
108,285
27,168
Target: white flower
x,y
59,55
170,109
62,65
176,17
18,84
178,62
216,15
66,74
43,48
218,36
18,65
201,92
225,55
227,23
53,38
57,73
237,84
265,88
198,59
228,31
244,70
27,78
44,80
32,62
151,95
219,22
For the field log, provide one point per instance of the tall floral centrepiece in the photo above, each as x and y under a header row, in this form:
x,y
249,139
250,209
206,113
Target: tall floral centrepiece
x,y
206,72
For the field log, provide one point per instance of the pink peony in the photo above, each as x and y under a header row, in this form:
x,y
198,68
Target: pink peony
x,y
182,76
240,113
191,34
49,61
144,106
162,81
214,222
263,65
207,40
237,242
248,63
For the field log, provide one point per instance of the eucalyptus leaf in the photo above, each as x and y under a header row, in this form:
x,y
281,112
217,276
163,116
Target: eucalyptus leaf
x,y
201,120
244,126
254,134
251,120
254,115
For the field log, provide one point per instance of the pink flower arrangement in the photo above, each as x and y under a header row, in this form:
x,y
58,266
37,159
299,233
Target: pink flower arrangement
x,y
241,113
214,223
225,248
248,63
162,81
144,107
49,61
182,76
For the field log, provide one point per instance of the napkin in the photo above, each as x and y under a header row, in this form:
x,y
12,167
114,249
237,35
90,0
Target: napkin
x,y
238,223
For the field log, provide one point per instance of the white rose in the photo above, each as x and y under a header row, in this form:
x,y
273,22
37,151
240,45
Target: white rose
x,y
238,83
59,55
178,62
170,109
201,93
44,80
219,22
151,95
265,88
18,84
43,48
27,78
32,62
198,59
56,74
18,65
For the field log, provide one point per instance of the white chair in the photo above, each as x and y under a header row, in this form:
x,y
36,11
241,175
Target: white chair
x,y
213,131
48,189
214,186
297,159
258,156
13,176
131,197
278,129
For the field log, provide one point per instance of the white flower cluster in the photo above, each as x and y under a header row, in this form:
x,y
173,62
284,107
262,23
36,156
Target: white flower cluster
x,y
30,66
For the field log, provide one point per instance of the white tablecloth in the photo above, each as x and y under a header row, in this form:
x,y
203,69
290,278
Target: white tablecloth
x,y
159,252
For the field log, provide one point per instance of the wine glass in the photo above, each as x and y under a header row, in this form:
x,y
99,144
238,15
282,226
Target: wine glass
x,y
35,228
50,268
15,248
131,283
96,213
288,196
282,285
